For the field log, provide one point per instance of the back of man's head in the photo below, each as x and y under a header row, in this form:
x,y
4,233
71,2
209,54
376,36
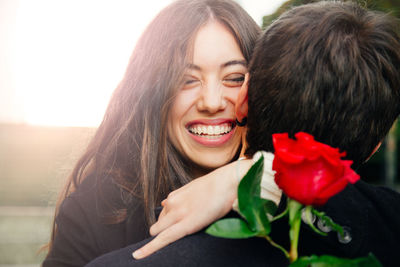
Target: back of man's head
x,y
331,69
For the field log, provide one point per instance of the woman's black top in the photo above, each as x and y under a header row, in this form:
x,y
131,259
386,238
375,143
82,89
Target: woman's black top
x,y
370,215
82,230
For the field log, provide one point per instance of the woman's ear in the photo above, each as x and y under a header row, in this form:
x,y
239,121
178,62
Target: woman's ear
x,y
241,108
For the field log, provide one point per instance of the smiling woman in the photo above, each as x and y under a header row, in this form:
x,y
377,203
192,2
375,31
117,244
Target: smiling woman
x,y
170,120
201,121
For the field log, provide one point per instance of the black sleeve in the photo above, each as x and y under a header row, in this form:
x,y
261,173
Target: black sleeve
x,y
370,216
384,210
82,232
199,250
75,242
382,214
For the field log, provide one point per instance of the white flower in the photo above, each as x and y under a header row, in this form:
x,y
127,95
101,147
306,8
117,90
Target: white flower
x,y
269,189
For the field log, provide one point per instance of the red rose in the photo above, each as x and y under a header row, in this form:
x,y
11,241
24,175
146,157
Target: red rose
x,y
309,171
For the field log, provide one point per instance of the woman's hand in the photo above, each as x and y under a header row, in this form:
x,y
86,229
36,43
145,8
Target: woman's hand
x,y
195,206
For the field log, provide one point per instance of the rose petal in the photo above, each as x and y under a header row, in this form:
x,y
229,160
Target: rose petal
x,y
309,171
349,174
330,191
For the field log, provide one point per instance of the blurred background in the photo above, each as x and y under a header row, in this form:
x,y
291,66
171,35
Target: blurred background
x,y
60,61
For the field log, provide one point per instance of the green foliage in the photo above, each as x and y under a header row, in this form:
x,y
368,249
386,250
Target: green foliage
x,y
257,214
308,213
268,19
294,219
252,208
391,6
231,228
397,131
330,261
328,221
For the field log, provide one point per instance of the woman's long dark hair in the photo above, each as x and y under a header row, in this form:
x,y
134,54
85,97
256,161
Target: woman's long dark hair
x,y
131,144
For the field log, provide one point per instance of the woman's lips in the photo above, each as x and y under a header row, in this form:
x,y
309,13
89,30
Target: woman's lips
x,y
211,133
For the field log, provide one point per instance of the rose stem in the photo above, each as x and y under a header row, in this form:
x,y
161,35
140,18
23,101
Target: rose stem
x,y
295,222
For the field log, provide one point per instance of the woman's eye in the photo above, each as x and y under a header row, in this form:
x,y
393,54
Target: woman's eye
x,y
190,82
234,80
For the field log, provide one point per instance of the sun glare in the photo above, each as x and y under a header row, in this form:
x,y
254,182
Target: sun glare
x,y
70,56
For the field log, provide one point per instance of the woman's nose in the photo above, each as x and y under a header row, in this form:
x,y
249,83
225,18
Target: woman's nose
x,y
211,98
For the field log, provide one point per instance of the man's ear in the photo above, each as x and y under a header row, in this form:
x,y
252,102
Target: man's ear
x,y
241,108
375,149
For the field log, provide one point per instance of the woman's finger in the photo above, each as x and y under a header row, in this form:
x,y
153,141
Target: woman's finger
x,y
154,228
164,221
163,213
166,237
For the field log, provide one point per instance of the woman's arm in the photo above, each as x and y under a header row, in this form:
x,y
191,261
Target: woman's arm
x,y
195,205
205,200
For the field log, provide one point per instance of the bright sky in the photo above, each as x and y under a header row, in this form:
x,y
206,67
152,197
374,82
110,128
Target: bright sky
x,y
61,60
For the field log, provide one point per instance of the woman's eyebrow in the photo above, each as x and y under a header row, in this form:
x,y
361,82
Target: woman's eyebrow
x,y
193,66
234,62
224,65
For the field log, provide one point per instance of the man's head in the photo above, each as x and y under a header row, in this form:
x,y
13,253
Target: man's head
x,y
331,69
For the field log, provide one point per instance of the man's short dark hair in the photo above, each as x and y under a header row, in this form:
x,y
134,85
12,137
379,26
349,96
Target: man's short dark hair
x,y
331,69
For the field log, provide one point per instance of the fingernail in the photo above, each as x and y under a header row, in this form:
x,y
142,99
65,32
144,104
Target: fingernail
x,y
137,254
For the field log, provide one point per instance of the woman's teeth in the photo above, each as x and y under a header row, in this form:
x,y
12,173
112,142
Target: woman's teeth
x,y
210,130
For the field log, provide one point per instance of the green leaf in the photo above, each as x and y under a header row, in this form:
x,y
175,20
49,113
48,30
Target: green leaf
x,y
230,228
251,206
331,261
270,207
308,213
281,215
249,186
262,224
328,221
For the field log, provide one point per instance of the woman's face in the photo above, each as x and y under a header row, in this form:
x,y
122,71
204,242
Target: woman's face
x,y
202,120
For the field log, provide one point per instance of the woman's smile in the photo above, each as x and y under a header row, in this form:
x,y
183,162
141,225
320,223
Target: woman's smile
x,y
211,132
